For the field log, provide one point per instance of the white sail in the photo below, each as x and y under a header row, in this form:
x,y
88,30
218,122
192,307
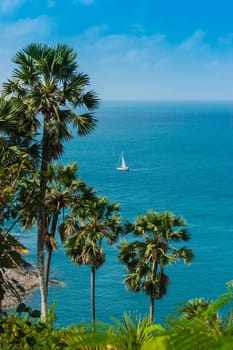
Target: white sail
x,y
122,165
123,161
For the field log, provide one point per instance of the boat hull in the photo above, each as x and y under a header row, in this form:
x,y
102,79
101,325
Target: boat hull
x,y
126,168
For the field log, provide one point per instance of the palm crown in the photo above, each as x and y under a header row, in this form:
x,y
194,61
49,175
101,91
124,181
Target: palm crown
x,y
47,82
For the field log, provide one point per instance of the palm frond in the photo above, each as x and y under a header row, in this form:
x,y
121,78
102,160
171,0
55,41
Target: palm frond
x,y
85,123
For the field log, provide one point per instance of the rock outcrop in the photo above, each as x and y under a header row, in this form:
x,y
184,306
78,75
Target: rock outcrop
x,y
26,278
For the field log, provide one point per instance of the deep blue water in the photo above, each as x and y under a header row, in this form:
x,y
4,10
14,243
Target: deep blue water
x,y
180,156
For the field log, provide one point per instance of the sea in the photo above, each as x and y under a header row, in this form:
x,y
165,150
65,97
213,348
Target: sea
x,y
180,156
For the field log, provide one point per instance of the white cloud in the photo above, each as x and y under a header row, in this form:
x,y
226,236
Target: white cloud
x,y
132,55
213,64
127,59
192,42
7,6
92,34
113,49
191,70
84,2
25,28
16,35
51,3
227,40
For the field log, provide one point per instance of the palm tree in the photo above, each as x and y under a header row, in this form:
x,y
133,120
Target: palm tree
x,y
64,190
146,258
97,220
47,82
194,307
204,324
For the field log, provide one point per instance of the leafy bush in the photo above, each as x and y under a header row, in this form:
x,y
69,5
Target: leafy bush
x,y
207,329
22,331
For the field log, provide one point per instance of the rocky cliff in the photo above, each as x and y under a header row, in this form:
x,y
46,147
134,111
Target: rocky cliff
x,y
26,278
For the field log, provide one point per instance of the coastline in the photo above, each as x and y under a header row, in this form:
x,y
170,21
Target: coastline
x,y
27,279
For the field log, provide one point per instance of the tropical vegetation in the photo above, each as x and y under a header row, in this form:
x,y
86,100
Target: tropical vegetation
x,y
45,99
46,82
18,158
134,332
87,227
147,257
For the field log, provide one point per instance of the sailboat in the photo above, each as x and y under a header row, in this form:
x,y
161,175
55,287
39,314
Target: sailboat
x,y
122,165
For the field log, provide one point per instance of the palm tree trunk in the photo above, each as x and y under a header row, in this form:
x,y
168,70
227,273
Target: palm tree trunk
x,y
40,262
50,251
152,303
42,225
44,301
1,310
93,297
47,266
152,299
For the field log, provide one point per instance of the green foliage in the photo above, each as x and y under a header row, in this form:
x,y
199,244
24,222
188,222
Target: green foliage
x,y
91,223
46,82
82,337
208,329
157,235
22,307
136,333
22,332
18,155
194,307
88,226
17,133
203,331
10,257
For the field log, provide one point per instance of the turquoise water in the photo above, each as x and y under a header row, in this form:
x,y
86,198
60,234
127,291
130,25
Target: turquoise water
x,y
181,159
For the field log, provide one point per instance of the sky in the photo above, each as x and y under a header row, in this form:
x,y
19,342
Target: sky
x,y
131,49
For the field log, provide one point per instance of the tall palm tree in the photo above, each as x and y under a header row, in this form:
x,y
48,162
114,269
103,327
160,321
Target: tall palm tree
x,y
96,221
146,257
46,80
63,191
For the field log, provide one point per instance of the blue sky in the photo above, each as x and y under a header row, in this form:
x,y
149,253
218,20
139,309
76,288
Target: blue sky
x,y
132,49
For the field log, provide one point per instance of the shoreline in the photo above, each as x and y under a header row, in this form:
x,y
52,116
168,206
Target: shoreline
x,y
26,278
